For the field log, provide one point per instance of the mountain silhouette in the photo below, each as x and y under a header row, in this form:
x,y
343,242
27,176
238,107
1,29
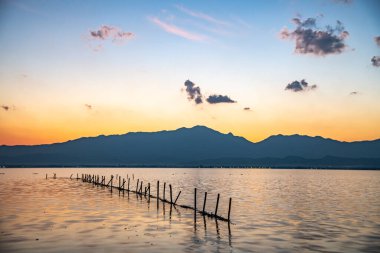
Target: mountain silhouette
x,y
195,147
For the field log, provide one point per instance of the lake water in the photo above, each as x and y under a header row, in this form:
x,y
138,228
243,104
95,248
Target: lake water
x,y
272,211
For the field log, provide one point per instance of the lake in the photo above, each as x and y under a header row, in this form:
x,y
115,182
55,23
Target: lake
x,y
272,211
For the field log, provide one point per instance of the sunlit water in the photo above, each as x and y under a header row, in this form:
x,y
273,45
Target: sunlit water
x,y
272,211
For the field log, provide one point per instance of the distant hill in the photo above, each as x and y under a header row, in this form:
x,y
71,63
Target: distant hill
x,y
196,147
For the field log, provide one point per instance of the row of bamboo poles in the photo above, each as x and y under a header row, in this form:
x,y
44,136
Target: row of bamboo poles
x,y
146,191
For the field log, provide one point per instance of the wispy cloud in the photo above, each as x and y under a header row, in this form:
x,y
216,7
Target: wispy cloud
x,y
27,8
88,106
170,28
247,108
197,26
343,1
97,38
109,32
202,16
309,39
297,86
353,93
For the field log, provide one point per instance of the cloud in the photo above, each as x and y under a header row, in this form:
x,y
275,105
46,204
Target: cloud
x,y
247,108
216,99
302,85
377,40
353,93
202,16
8,107
343,1
177,31
88,106
376,61
311,40
193,92
115,34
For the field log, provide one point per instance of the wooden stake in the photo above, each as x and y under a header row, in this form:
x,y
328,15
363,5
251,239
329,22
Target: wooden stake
x,y
229,210
129,180
164,189
204,203
141,187
137,186
171,195
217,204
175,201
158,190
195,199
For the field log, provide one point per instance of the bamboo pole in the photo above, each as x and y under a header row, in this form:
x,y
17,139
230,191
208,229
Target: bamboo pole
x,y
175,201
229,210
204,203
217,204
195,199
129,180
158,190
171,195
164,189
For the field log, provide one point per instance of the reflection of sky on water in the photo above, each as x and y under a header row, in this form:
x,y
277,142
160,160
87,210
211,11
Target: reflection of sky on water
x,y
273,210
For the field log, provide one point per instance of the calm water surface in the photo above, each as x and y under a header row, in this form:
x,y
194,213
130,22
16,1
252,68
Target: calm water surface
x,y
272,211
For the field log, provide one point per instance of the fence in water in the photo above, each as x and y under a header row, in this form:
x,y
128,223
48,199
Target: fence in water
x,y
146,191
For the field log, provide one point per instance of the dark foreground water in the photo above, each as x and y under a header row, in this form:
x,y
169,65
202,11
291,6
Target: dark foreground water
x,y
272,211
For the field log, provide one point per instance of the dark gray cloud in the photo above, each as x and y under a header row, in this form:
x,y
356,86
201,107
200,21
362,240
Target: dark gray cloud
x,y
5,107
88,106
193,92
247,108
215,99
376,61
353,93
377,40
109,32
309,39
302,85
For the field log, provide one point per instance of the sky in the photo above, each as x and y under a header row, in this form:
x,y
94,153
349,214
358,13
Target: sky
x,y
70,69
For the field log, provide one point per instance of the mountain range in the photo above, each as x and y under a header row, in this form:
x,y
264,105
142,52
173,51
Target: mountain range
x,y
198,146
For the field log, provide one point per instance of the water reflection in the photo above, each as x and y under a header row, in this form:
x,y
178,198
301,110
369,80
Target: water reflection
x,y
275,211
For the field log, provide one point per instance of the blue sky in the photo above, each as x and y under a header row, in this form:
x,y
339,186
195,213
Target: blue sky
x,y
51,68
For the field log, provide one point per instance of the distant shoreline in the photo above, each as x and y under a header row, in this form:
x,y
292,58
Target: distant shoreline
x,y
186,167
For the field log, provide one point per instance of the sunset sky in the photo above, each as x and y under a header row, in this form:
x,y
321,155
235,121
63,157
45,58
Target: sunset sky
x,y
254,68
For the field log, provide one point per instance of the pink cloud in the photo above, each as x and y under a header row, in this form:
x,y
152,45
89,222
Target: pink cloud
x,y
114,33
177,31
203,16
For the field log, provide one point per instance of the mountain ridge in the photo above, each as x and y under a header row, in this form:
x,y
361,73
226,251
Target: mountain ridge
x,y
186,146
188,128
